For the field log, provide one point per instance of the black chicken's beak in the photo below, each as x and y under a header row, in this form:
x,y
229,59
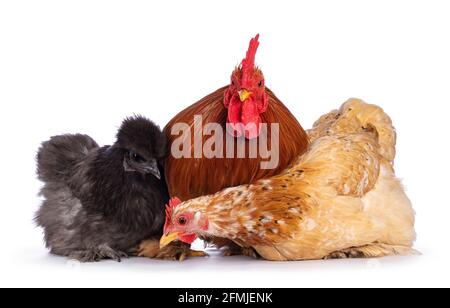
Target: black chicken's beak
x,y
152,168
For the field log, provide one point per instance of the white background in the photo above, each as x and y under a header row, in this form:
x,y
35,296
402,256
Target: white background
x,y
82,66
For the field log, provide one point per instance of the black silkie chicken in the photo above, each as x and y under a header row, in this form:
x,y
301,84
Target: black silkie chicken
x,y
100,203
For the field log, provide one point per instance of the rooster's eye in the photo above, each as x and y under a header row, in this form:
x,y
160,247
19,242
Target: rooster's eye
x,y
260,84
182,221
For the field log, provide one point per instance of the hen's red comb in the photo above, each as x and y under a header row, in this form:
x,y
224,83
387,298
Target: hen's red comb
x,y
248,64
173,203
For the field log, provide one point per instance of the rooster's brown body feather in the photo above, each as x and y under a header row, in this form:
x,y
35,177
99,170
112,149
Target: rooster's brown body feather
x,y
189,178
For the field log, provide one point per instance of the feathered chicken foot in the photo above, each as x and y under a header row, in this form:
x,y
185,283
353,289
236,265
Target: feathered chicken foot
x,y
96,254
174,251
230,249
236,250
376,250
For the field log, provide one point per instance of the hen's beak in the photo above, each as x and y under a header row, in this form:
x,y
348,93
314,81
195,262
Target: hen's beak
x,y
244,95
166,239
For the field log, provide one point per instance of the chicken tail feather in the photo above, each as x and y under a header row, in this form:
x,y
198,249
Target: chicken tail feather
x,y
57,157
374,119
355,115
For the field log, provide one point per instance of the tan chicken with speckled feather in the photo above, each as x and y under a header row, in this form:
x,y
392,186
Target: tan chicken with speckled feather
x,y
340,199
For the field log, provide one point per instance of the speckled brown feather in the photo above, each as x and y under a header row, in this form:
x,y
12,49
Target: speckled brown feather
x,y
188,178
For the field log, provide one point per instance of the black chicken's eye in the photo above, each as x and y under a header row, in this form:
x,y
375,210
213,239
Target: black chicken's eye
x,y
182,221
137,158
260,84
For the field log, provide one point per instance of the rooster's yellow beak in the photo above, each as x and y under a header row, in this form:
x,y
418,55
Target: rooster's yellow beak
x,y
244,95
166,239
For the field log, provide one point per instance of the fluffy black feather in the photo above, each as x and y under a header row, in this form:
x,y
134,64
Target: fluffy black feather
x,y
143,136
102,202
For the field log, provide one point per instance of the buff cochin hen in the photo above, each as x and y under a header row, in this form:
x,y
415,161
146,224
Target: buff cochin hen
x,y
340,199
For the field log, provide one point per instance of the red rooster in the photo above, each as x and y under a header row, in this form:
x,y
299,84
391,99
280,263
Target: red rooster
x,y
243,106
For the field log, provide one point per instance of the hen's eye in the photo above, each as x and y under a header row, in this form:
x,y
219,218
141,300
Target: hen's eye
x,y
137,158
232,82
182,221
260,84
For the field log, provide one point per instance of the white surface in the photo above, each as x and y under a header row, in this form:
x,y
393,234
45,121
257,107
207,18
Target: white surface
x,y
81,66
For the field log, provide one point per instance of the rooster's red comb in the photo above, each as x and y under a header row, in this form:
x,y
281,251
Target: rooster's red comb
x,y
248,63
